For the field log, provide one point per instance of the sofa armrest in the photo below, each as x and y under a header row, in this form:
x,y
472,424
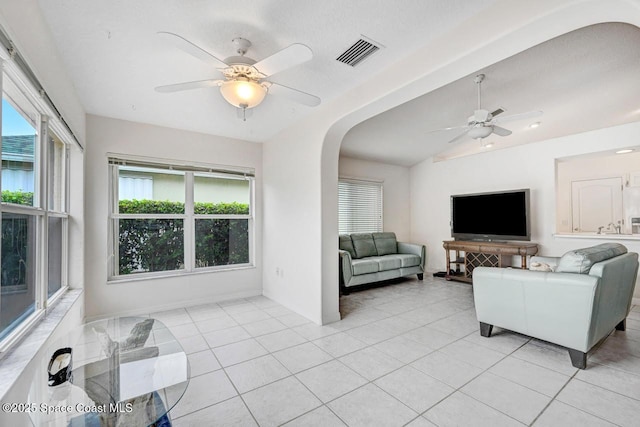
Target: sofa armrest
x,y
555,307
346,268
415,249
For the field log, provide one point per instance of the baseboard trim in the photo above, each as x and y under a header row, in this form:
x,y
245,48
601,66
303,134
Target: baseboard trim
x,y
334,317
635,301
266,293
172,306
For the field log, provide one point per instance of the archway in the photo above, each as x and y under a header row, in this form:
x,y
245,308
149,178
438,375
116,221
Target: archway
x,y
522,32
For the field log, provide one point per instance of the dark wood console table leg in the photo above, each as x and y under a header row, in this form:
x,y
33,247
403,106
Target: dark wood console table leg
x,y
446,269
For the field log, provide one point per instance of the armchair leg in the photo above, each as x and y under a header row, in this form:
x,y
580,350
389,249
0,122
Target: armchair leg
x,y
622,326
485,329
420,276
578,359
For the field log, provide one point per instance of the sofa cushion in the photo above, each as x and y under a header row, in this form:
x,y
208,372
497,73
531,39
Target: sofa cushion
x,y
385,243
364,266
364,245
388,262
581,260
408,260
344,240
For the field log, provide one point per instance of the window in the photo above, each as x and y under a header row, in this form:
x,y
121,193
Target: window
x,y
34,214
19,137
359,206
221,212
168,218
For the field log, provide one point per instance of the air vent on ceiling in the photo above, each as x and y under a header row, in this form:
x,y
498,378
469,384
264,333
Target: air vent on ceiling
x,y
358,52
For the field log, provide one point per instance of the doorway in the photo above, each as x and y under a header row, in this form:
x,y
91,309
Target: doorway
x,y
596,204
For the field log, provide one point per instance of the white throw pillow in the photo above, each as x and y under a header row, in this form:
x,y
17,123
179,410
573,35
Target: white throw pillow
x,y
540,266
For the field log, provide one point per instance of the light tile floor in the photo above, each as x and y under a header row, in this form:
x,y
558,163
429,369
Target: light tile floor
x,y
405,354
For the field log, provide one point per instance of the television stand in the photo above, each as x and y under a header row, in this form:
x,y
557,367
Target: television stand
x,y
470,254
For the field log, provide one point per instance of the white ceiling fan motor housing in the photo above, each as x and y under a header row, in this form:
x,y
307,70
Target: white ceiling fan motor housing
x,y
480,131
480,116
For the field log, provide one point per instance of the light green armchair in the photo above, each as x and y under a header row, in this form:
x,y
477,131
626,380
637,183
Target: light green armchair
x,y
587,296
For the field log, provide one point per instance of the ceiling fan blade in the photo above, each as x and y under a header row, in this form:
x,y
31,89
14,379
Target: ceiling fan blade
x,y
466,127
286,58
190,48
294,94
462,135
521,116
188,86
501,131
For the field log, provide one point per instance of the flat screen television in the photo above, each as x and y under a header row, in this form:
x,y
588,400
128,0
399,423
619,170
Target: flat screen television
x,y
500,215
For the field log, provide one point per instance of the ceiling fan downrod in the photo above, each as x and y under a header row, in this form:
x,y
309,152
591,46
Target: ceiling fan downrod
x,y
479,78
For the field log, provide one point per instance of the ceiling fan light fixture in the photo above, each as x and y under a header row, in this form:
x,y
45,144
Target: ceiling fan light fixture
x,y
479,132
243,93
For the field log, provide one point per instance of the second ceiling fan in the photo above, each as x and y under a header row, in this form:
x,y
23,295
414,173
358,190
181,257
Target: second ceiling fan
x,y
244,85
484,123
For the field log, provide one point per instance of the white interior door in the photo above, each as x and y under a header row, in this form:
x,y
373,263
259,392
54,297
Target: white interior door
x,y
596,203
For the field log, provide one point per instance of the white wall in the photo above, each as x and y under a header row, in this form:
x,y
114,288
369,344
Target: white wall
x,y
105,135
395,190
292,217
527,166
29,32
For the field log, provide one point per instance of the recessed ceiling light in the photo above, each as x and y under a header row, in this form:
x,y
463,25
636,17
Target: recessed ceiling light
x,y
534,125
487,145
628,150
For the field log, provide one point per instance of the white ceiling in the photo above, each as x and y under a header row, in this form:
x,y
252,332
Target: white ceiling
x,y
115,59
584,80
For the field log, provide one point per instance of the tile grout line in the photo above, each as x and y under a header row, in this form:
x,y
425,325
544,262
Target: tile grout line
x,y
238,394
336,358
372,346
459,389
553,399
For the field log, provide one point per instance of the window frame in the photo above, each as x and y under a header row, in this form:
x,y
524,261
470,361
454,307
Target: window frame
x,y
190,170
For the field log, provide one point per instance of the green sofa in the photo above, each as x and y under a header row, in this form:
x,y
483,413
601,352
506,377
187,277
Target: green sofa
x,y
373,257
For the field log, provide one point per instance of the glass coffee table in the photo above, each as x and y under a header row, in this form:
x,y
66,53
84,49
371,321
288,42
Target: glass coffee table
x,y
126,371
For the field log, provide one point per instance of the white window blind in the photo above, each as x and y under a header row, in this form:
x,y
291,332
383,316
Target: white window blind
x,y
135,188
359,206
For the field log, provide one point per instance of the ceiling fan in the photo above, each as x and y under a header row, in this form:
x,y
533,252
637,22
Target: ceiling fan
x,y
483,123
244,85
